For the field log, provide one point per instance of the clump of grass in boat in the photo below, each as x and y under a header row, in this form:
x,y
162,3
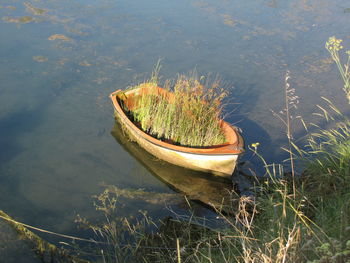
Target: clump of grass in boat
x,y
189,117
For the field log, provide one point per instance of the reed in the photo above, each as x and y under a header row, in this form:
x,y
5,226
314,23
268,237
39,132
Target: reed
x,y
191,117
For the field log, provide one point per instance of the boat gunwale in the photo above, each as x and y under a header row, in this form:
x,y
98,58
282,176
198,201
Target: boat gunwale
x,y
233,147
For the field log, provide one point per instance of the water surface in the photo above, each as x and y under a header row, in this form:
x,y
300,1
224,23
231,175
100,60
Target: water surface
x,y
60,59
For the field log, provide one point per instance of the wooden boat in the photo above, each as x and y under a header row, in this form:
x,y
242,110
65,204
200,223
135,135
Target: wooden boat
x,y
218,159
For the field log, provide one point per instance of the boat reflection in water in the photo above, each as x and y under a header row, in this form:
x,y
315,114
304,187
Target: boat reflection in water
x,y
212,191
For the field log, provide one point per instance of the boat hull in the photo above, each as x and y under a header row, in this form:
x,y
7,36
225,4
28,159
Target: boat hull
x,y
218,160
213,191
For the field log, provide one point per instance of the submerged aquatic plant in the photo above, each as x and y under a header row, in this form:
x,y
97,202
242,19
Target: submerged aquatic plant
x,y
187,113
333,45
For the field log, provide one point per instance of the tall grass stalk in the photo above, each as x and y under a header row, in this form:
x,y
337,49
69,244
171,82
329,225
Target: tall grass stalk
x,y
291,100
333,45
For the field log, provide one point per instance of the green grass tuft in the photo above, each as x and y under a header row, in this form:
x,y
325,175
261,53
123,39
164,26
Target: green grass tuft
x,y
192,117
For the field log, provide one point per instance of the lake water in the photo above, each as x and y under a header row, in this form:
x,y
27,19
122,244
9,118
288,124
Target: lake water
x,y
60,59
